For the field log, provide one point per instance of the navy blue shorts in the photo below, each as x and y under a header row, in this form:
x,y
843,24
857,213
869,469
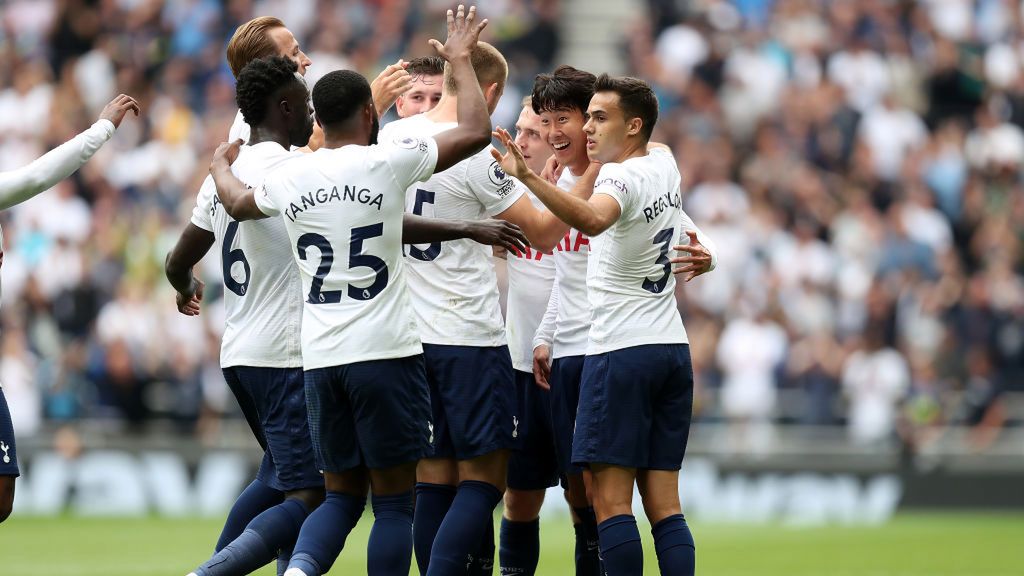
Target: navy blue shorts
x,y
565,396
635,407
273,401
534,466
374,414
8,453
473,400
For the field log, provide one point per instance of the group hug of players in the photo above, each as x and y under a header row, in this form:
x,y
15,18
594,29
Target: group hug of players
x,y
363,335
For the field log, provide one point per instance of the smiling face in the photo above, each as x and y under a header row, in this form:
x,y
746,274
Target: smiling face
x,y
423,96
528,137
607,129
563,131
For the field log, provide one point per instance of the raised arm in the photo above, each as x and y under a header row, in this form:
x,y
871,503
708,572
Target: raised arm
x,y
473,132
238,200
391,83
19,185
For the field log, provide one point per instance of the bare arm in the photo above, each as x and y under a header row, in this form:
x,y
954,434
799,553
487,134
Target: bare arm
x,y
423,230
238,200
19,185
473,132
192,245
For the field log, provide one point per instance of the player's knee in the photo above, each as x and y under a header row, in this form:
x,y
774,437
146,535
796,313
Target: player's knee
x,y
658,506
437,471
491,468
523,505
608,503
310,497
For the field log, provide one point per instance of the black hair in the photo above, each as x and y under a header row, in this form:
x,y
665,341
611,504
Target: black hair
x,y
339,95
636,99
426,66
257,81
566,88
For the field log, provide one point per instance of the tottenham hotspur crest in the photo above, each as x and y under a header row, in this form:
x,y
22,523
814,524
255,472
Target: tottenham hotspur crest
x,y
5,448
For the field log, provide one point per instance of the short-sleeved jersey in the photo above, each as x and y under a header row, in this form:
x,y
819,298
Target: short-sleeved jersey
x,y
343,211
453,284
572,322
530,276
263,310
239,130
629,277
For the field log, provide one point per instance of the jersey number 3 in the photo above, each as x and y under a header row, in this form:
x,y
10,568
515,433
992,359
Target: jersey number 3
x,y
356,259
665,239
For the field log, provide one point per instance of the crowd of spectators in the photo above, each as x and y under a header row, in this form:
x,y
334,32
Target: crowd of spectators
x,y
858,163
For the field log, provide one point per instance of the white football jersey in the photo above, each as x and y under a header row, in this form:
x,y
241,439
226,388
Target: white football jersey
x,y
239,129
343,211
530,276
453,284
629,277
262,310
572,312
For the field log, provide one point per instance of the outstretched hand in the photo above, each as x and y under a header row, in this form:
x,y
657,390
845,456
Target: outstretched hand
x,y
697,260
512,161
391,83
499,233
226,153
462,34
118,107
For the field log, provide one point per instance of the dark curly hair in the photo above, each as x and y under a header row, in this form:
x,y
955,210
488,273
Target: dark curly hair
x,y
339,95
260,79
426,66
566,88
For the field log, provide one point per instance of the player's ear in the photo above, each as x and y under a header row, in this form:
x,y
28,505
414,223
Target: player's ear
x,y
634,125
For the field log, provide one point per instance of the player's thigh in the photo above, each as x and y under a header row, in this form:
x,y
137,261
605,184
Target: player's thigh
x,y
390,404
6,496
241,389
565,379
394,480
672,407
533,467
612,490
332,427
8,459
438,471
659,491
491,468
353,482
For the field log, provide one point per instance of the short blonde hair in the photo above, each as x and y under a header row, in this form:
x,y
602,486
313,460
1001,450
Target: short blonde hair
x,y
490,66
251,41
528,102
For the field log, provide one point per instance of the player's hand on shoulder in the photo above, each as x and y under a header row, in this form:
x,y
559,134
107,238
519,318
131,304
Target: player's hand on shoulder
x,y
499,233
226,154
542,366
463,33
188,303
512,161
696,261
117,108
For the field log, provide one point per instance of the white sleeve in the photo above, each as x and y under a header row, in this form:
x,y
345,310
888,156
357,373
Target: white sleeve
x,y
613,180
202,214
265,198
411,159
489,184
705,240
546,330
19,185
239,129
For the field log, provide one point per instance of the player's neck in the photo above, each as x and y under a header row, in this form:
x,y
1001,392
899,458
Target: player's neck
x,y
633,149
578,166
259,134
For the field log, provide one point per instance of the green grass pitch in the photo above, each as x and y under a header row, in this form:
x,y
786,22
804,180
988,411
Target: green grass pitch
x,y
911,545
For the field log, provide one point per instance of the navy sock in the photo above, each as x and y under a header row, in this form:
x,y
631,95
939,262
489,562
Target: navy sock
x,y
389,552
520,547
432,503
482,563
260,542
283,558
465,524
621,550
588,561
256,498
674,545
323,534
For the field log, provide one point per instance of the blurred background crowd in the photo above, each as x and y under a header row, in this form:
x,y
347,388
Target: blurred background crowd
x,y
858,163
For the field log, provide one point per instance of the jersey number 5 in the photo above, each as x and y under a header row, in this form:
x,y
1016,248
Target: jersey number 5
x,y
228,257
356,259
432,251
665,239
